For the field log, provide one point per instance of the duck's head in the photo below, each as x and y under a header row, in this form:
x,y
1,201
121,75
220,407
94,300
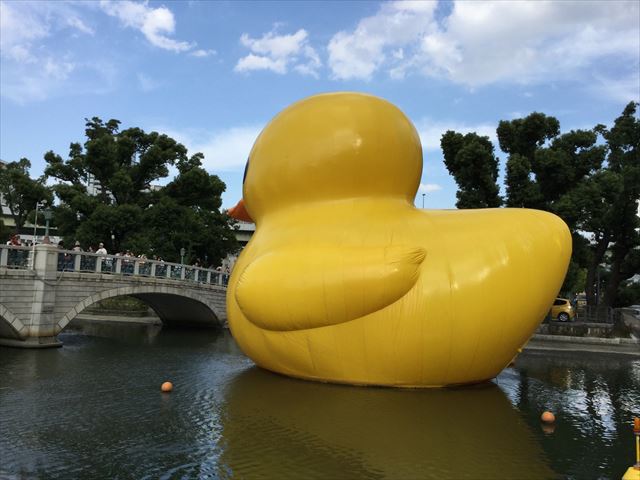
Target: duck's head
x,y
331,147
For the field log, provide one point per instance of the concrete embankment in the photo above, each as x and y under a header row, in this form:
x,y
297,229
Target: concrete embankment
x,y
134,320
624,346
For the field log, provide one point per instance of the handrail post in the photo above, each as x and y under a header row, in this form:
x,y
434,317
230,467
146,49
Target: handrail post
x,y
152,273
76,262
99,261
169,267
182,272
208,276
4,257
118,265
136,267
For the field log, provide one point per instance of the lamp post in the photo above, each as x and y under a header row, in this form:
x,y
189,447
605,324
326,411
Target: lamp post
x,y
182,252
35,237
48,214
423,195
35,223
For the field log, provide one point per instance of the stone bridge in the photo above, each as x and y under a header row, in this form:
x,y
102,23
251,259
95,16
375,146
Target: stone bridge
x,y
43,288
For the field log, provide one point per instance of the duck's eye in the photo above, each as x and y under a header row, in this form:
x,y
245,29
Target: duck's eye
x,y
246,167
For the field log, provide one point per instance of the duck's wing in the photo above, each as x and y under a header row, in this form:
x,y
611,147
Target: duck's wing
x,y
294,289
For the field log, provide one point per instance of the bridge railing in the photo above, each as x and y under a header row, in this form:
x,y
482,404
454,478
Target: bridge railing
x,y
15,257
71,261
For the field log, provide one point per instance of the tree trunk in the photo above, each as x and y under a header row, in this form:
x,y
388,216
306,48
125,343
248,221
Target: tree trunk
x,y
592,270
620,252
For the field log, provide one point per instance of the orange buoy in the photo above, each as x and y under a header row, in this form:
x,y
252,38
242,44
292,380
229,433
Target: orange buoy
x,y
166,387
548,417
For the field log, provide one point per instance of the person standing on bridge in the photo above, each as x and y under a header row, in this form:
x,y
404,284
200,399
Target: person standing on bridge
x,y
101,250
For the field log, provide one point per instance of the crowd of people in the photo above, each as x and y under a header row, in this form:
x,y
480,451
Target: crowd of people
x,y
128,260
67,260
16,241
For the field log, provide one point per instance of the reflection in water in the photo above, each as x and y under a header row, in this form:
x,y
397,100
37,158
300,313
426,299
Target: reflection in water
x,y
594,397
278,427
93,409
132,332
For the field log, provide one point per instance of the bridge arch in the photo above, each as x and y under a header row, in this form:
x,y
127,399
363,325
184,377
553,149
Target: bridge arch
x,y
10,325
170,304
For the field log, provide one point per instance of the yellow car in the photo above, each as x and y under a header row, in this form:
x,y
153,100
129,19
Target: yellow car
x,y
562,310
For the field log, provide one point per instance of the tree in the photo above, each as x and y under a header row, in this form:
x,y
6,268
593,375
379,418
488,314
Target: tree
x,y
21,193
590,178
564,174
107,195
471,161
520,139
623,142
185,214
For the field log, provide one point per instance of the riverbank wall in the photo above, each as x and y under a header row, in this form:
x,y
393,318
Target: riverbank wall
x,y
624,346
584,341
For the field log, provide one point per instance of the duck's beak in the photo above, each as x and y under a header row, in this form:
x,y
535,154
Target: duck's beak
x,y
239,212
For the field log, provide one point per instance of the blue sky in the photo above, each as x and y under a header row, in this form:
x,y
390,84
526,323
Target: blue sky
x,y
212,74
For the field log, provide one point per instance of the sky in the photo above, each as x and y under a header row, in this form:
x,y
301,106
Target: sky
x,y
212,74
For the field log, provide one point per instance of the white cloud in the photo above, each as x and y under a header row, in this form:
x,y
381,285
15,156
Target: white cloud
x,y
224,150
429,187
381,39
19,28
431,131
622,89
78,24
23,24
154,23
523,42
58,69
200,53
31,68
483,42
256,62
278,53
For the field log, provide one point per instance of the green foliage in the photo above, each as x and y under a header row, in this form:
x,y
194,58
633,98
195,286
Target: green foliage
x,y
520,139
590,178
628,294
471,161
127,212
522,191
21,192
123,304
523,136
594,186
623,142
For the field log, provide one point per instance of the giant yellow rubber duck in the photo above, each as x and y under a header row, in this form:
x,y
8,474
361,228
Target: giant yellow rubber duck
x,y
346,281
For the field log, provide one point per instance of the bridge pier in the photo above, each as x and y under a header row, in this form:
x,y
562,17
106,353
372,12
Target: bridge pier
x,y
39,330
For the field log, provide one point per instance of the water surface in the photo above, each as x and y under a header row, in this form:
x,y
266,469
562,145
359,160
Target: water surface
x,y
93,409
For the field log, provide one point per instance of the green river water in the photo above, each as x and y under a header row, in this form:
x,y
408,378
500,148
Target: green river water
x,y
93,410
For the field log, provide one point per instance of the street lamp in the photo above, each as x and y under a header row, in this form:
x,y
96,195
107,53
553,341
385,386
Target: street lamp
x,y
48,214
35,237
423,195
182,252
